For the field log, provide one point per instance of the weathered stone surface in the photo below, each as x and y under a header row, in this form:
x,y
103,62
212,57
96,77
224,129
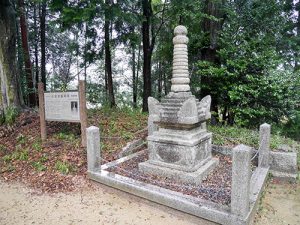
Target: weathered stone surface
x,y
264,145
188,112
180,61
284,162
154,111
93,147
180,87
204,107
131,147
241,175
153,106
194,177
180,80
187,155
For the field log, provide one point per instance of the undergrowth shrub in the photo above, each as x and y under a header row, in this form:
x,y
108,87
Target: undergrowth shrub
x,y
9,116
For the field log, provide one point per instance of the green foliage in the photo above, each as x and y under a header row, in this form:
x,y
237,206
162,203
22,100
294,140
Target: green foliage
x,y
66,136
2,148
247,83
44,158
7,158
2,118
63,167
23,155
39,166
234,135
9,116
37,145
292,127
22,139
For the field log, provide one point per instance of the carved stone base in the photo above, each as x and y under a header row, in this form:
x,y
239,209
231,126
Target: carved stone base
x,y
195,177
185,150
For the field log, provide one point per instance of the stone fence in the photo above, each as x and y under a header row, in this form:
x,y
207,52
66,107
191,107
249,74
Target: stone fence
x,y
282,164
246,186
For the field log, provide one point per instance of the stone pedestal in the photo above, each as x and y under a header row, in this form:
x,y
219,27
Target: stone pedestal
x,y
178,142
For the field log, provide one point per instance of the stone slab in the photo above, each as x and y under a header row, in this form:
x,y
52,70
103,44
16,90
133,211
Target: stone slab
x,y
284,162
257,184
188,177
131,147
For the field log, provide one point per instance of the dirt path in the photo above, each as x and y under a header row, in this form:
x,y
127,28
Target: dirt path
x,y
280,205
97,205
102,205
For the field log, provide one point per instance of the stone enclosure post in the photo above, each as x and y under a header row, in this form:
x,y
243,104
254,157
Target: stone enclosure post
x,y
264,145
93,148
241,175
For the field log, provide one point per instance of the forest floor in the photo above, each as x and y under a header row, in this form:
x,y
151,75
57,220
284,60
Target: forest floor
x,y
52,175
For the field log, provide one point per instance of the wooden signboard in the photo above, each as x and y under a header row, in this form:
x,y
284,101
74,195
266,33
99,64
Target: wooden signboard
x,y
69,106
62,106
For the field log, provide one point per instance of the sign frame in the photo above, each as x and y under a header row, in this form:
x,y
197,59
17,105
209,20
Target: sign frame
x,y
82,111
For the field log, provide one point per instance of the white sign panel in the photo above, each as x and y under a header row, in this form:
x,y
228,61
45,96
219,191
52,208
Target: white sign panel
x,y
62,106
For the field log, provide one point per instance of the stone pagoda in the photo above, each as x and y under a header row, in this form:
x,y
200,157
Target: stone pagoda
x,y
178,143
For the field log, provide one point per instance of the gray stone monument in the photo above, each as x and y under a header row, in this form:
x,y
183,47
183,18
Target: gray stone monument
x,y
178,142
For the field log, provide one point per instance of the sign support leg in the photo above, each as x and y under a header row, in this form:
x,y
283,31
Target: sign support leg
x,y
83,115
42,111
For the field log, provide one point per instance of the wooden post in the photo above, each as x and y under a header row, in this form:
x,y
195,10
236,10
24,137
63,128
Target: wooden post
x,y
83,115
42,111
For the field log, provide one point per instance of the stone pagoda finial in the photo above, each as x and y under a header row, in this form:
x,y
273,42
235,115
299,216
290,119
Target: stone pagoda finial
x,y
180,79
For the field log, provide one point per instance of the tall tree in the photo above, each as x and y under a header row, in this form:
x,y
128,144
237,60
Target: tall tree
x,y
211,25
43,42
108,61
28,68
147,49
8,72
36,44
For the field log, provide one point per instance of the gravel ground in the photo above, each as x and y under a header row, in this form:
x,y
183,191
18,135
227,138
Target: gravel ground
x,y
216,187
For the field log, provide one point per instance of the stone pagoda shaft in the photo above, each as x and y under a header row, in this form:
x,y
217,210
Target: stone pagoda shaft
x,y
180,79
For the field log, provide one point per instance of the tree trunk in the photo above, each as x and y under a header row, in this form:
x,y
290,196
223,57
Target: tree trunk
x,y
108,69
43,43
297,9
147,13
211,29
134,82
36,49
20,63
159,80
137,72
165,82
28,69
8,72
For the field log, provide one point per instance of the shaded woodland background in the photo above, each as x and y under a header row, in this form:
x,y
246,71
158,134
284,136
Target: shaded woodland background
x,y
244,53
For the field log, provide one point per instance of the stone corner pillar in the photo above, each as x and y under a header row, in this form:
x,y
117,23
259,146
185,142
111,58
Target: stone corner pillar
x,y
93,148
264,145
241,175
